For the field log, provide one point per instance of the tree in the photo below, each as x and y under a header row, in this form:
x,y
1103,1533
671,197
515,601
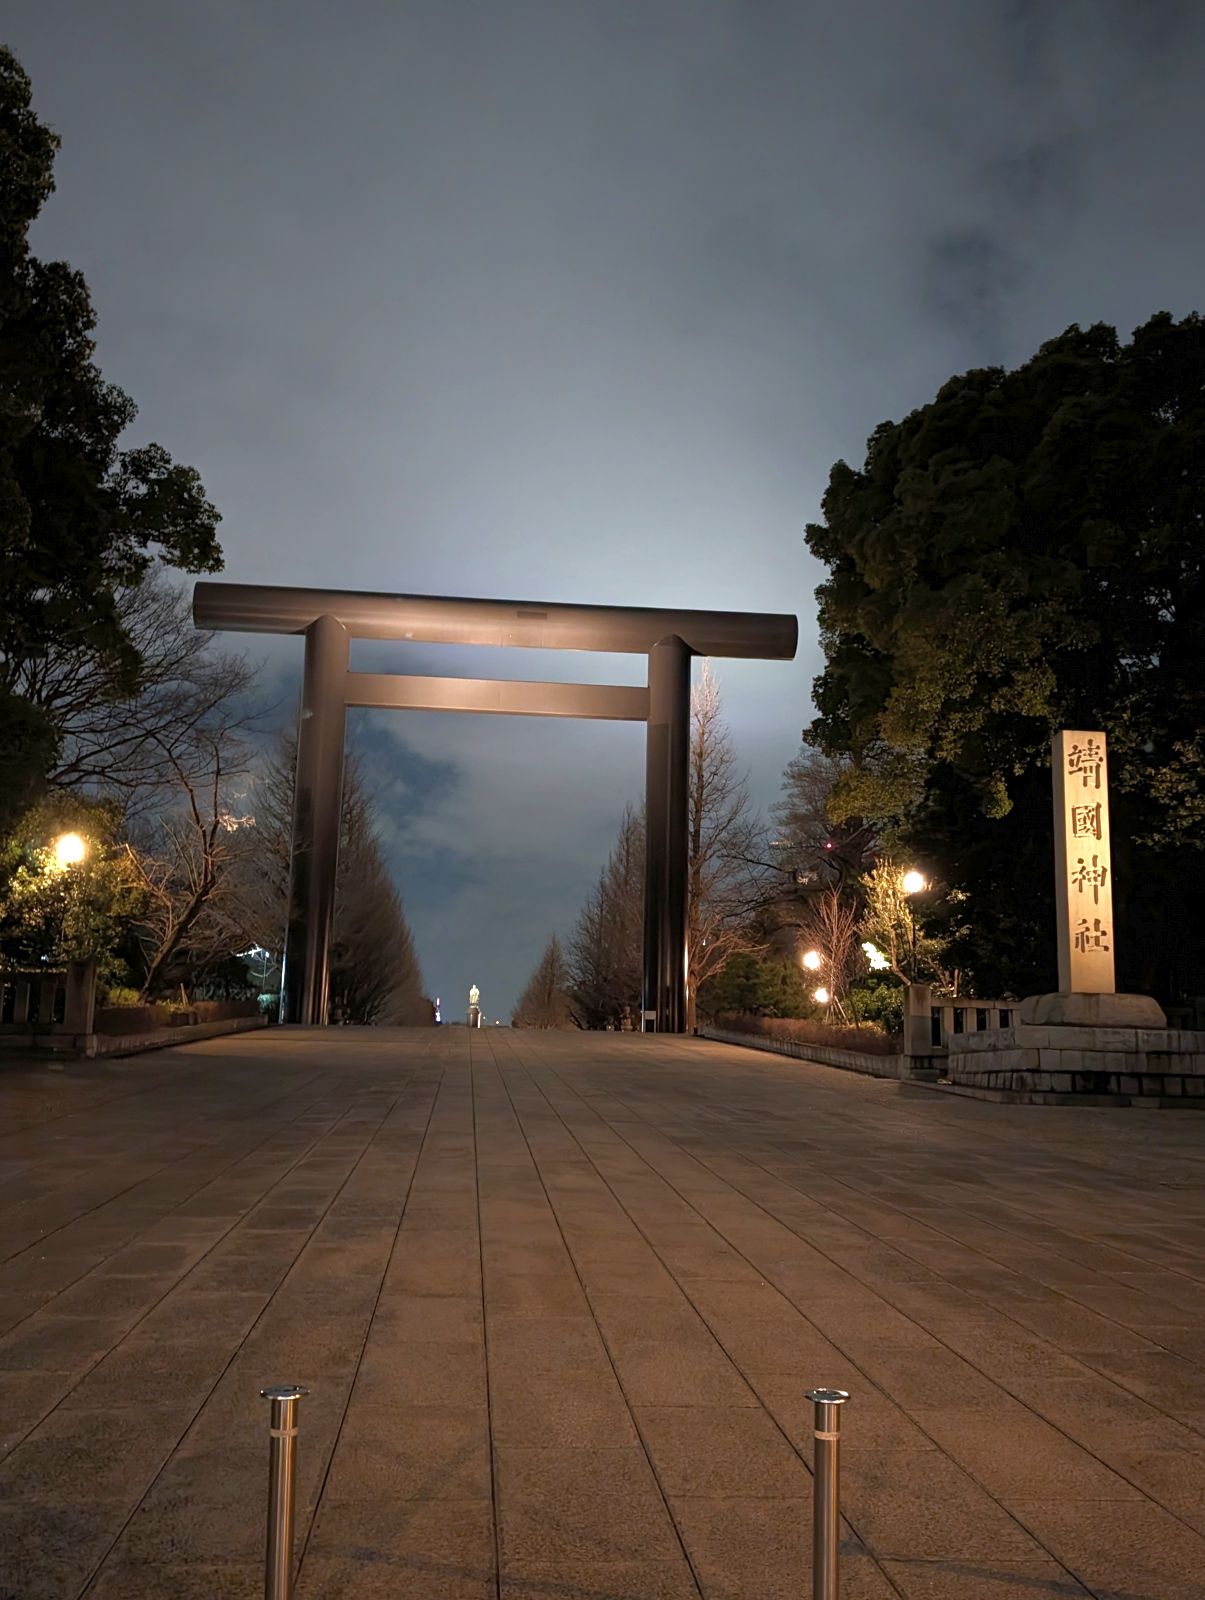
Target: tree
x,y
53,912
830,928
186,866
81,520
809,841
606,973
1022,554
131,746
375,974
890,923
754,983
545,1001
723,849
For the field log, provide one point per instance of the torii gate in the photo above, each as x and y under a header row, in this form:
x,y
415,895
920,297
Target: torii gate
x,y
331,618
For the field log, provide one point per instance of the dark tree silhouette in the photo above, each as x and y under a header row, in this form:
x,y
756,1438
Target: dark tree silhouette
x,y
81,520
545,1002
1022,554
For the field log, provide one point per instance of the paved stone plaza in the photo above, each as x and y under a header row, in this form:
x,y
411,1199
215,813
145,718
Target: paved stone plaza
x,y
558,1298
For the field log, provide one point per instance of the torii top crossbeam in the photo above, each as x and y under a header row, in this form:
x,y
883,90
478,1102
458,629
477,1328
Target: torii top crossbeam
x,y
525,624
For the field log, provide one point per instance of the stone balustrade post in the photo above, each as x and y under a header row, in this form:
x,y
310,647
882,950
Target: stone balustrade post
x,y
918,1026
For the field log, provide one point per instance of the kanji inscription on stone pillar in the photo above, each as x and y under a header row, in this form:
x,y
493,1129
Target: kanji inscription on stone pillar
x,y
1083,866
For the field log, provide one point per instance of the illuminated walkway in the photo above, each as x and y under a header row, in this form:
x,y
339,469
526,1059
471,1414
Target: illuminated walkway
x,y
558,1305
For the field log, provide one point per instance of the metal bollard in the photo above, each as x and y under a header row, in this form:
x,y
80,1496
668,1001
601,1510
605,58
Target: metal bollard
x,y
826,1508
282,1468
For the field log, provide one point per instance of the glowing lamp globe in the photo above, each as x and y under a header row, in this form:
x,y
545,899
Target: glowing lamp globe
x,y
69,850
914,881
812,960
820,996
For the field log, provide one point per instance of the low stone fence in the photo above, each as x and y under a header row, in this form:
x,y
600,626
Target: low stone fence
x,y
875,1066
54,1009
129,1044
124,1020
49,1008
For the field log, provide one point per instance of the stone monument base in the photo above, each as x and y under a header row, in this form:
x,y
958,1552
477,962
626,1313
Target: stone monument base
x,y
1093,1011
1093,1063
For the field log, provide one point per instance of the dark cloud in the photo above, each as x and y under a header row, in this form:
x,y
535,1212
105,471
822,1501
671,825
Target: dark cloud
x,y
572,300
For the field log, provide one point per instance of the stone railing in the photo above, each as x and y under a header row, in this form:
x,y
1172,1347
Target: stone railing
x,y
930,1023
48,1007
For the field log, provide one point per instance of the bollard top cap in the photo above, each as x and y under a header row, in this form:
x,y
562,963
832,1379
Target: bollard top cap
x,y
827,1397
284,1391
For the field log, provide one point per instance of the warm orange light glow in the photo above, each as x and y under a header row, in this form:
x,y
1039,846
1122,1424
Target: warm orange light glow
x,y
69,850
914,881
820,996
812,960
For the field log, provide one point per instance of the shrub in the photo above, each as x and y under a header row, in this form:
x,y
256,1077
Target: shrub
x,y
800,1030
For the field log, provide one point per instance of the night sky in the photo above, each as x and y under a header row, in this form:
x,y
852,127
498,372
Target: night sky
x,y
548,299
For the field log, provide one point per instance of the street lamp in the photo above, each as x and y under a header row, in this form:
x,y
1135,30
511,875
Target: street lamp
x,y
69,850
914,883
820,996
813,960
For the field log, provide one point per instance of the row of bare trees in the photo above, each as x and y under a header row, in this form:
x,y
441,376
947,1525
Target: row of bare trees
x,y
196,817
597,981
768,894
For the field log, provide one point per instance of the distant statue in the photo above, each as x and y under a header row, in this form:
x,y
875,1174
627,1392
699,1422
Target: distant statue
x,y
474,995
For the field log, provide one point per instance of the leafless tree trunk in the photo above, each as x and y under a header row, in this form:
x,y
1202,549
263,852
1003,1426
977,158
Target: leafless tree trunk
x,y
131,746
375,973
544,1003
830,926
184,858
606,949
724,845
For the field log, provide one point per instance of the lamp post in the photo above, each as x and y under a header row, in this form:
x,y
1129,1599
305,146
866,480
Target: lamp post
x,y
70,850
914,882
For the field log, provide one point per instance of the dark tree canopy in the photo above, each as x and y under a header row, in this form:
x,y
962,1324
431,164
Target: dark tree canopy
x,y
80,518
1027,552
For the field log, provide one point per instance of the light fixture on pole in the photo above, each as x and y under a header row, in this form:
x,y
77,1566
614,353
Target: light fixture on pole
x,y
914,883
813,960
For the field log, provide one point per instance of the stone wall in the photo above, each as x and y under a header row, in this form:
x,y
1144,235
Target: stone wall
x,y
1067,1065
876,1066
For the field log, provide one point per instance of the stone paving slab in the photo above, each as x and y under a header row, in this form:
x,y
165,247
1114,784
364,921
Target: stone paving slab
x,y
558,1298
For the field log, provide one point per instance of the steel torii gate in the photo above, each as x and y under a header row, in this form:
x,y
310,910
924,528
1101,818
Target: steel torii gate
x,y
331,618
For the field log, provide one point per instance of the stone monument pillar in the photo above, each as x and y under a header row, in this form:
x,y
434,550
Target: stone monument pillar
x,y
1083,884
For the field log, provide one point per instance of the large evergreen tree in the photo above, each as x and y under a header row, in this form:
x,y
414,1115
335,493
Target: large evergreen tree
x,y
1024,553
81,519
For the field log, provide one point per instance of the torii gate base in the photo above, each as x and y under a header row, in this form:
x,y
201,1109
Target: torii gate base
x,y
331,618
